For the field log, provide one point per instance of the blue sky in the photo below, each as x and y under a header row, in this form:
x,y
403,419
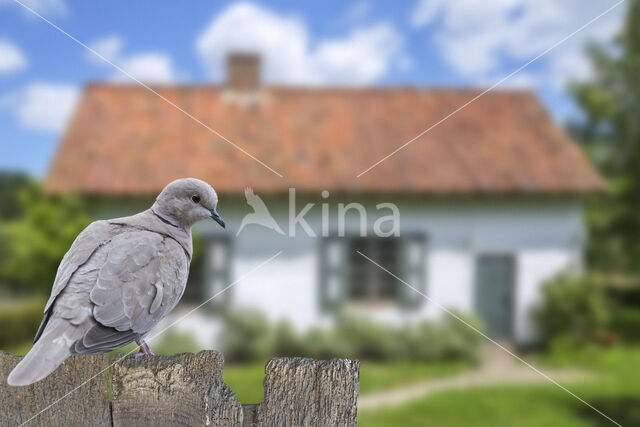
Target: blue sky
x,y
417,42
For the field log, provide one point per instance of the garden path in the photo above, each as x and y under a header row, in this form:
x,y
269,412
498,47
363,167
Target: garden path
x,y
499,368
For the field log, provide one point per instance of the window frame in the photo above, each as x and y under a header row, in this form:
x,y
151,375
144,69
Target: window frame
x,y
405,298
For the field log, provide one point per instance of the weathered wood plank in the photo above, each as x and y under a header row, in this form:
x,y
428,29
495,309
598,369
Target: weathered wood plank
x,y
249,414
184,389
88,405
306,392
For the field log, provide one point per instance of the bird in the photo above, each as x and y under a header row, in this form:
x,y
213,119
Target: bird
x,y
260,215
119,279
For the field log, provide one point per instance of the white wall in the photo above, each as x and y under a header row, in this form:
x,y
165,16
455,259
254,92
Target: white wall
x,y
545,236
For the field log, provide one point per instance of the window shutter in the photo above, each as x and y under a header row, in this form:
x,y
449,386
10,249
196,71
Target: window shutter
x,y
333,273
413,255
219,271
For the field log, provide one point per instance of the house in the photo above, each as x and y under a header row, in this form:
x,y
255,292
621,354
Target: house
x,y
488,203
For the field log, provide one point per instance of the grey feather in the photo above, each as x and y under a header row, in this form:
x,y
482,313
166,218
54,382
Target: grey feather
x,y
100,339
118,280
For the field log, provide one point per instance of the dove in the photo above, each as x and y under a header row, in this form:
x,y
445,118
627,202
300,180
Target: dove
x,y
119,279
260,215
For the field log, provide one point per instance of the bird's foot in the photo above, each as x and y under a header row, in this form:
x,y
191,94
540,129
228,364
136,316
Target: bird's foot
x,y
144,349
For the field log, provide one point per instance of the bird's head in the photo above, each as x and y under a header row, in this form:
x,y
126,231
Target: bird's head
x,y
186,201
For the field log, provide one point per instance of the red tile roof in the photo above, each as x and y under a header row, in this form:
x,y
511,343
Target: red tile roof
x,y
126,140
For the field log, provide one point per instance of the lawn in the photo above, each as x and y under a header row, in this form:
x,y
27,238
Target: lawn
x,y
246,380
615,390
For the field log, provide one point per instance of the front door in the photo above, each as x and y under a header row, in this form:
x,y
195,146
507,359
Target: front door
x,y
494,289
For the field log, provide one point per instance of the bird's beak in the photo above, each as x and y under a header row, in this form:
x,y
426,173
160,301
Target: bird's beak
x,y
217,218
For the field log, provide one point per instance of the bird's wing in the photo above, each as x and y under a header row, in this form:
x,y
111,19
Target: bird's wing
x,y
82,249
122,291
90,239
141,280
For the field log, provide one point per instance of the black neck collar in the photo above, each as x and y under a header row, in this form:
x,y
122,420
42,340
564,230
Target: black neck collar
x,y
166,221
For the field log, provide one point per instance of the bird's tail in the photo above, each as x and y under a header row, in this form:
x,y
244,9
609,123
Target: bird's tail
x,y
43,358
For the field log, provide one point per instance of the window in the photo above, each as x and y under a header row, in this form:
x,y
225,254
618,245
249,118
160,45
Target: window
x,y
367,281
218,270
346,276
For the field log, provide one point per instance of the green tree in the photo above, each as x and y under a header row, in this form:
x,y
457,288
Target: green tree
x,y
610,132
10,185
32,245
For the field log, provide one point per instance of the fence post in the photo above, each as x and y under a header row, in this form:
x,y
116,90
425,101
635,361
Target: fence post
x,y
309,392
88,405
184,389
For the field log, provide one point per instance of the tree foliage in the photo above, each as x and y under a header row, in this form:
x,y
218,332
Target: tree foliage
x,y
10,185
610,131
32,245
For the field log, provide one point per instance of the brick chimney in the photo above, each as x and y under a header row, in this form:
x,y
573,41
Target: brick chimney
x,y
243,72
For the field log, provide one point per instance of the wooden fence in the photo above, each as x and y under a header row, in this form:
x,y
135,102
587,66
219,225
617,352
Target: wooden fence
x,y
184,389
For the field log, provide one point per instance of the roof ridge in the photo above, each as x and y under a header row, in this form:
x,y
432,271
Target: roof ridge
x,y
314,88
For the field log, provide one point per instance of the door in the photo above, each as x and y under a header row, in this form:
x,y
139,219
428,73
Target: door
x,y
494,293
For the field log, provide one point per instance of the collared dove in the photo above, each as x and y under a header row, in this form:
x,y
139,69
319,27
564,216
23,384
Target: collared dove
x,y
118,279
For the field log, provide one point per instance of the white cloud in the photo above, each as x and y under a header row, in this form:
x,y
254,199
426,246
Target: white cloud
x,y
478,38
43,106
148,67
110,47
11,57
362,56
44,7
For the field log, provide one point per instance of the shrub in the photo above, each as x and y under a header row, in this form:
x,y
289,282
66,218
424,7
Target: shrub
x,y
173,341
247,336
425,341
367,339
20,320
572,306
287,342
460,341
447,339
327,344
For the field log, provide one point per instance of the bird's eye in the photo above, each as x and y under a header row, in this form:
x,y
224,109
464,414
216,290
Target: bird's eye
x,y
195,198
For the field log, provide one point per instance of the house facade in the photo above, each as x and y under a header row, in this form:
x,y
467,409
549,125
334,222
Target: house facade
x,y
473,216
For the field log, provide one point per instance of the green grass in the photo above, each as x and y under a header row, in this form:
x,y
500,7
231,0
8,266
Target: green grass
x,y
615,390
482,407
376,376
246,379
